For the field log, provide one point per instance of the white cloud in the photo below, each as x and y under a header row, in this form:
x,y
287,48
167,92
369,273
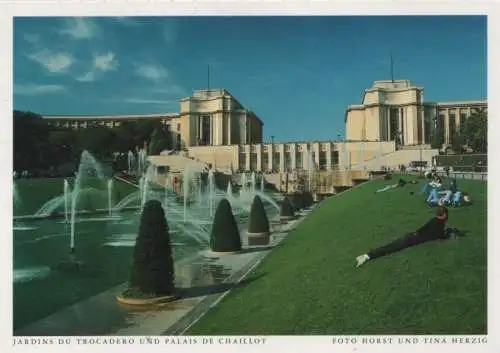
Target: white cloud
x,y
34,89
31,38
151,72
80,28
105,62
101,63
53,62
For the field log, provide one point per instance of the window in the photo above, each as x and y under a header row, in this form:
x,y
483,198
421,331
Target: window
x,y
299,163
276,161
178,127
253,161
265,161
335,159
288,161
394,123
452,124
242,161
322,160
205,130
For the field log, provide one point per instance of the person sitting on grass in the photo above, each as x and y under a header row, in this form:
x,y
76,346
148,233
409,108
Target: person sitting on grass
x,y
434,229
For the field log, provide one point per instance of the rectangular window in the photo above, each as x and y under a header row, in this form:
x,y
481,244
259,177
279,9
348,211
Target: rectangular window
x,y
299,164
335,159
288,161
242,161
265,161
322,160
253,162
276,161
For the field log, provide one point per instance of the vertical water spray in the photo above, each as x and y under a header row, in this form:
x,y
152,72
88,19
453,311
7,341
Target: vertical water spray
x,y
165,201
262,183
243,189
130,160
110,196
229,191
253,182
67,199
87,162
211,186
185,190
200,196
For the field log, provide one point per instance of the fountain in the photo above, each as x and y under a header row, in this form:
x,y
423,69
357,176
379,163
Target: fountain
x,y
131,161
211,190
229,192
185,190
87,161
110,196
67,200
252,183
262,183
243,189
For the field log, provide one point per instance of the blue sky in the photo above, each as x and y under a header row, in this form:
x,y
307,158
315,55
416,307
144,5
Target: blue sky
x,y
292,71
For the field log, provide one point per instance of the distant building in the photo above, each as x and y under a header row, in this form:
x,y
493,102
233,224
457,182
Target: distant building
x,y
396,111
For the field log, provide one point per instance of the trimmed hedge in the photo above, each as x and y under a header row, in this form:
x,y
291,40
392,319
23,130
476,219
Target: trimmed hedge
x,y
225,236
259,223
153,268
308,199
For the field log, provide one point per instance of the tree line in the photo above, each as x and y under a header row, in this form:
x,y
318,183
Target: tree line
x,y
472,134
41,148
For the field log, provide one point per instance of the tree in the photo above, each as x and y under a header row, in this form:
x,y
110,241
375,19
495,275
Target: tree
x,y
476,131
457,141
225,236
153,267
160,141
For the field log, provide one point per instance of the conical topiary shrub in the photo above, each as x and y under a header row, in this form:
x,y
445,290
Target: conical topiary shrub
x,y
258,228
225,236
297,201
286,209
152,276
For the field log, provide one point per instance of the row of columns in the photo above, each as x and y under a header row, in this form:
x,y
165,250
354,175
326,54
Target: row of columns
x,y
258,154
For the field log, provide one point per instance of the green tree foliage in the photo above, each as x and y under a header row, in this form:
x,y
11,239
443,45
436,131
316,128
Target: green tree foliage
x,y
476,131
153,267
225,236
50,147
437,139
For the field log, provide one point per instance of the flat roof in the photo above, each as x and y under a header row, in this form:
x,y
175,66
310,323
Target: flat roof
x,y
111,117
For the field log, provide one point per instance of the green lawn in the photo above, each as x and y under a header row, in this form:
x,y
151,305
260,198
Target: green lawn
x,y
310,284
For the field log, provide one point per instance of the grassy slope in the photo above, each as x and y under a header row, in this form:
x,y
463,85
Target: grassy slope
x,y
311,286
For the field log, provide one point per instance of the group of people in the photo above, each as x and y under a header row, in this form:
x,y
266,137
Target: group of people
x,y
436,195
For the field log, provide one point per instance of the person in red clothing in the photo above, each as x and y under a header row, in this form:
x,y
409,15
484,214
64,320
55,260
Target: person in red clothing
x,y
434,229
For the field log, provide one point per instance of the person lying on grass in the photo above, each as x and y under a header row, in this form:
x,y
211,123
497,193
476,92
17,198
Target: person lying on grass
x,y
434,229
400,183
